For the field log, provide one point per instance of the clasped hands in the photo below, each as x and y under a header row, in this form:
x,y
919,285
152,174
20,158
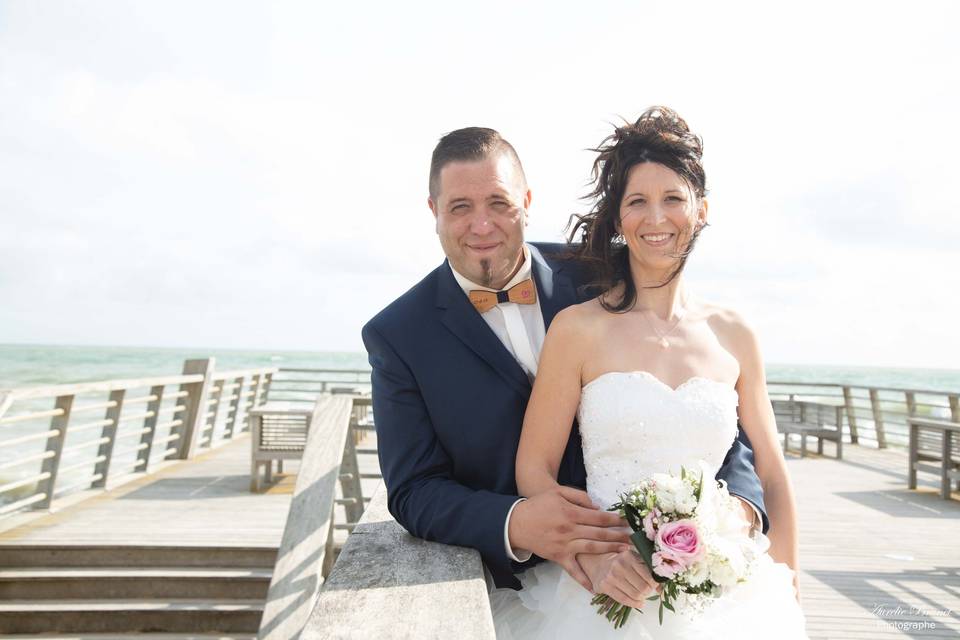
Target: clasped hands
x,y
593,546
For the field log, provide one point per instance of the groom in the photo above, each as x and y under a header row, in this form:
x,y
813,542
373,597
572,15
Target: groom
x,y
453,362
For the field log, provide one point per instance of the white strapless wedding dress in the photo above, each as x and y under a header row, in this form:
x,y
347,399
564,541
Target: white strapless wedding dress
x,y
634,425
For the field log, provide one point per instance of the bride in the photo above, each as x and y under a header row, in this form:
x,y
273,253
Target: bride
x,y
657,379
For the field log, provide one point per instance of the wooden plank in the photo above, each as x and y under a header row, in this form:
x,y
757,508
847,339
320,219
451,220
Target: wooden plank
x,y
388,584
297,574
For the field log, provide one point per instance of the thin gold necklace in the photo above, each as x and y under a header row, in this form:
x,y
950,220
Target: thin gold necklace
x,y
662,335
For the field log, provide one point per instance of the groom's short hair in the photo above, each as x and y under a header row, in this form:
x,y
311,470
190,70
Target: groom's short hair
x,y
469,144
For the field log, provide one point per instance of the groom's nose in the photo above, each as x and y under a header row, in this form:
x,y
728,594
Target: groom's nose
x,y
481,223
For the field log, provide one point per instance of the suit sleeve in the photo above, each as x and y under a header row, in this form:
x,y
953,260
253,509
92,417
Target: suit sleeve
x,y
422,492
741,478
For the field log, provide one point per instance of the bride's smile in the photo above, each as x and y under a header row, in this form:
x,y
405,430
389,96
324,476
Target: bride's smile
x,y
658,214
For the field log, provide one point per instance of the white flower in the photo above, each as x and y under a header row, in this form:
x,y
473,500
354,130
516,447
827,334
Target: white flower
x,y
673,494
696,574
722,572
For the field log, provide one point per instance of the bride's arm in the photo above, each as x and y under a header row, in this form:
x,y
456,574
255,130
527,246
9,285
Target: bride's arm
x,y
553,404
756,416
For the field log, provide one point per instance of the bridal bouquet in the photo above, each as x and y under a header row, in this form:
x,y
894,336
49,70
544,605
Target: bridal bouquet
x,y
688,530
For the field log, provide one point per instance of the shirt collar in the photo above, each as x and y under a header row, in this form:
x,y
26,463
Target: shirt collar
x,y
522,274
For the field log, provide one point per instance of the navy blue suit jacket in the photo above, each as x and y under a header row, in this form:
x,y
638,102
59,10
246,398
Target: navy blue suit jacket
x,y
448,402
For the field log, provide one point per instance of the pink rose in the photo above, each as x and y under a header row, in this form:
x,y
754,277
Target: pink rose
x,y
679,542
665,566
648,523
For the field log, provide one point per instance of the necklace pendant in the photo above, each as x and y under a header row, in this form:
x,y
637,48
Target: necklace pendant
x,y
663,343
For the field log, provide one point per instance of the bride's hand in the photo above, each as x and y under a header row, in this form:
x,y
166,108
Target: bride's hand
x,y
560,523
623,576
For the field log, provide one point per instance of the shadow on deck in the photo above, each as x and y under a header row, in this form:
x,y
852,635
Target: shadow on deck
x,y
878,560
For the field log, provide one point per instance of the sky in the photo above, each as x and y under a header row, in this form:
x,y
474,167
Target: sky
x,y
254,174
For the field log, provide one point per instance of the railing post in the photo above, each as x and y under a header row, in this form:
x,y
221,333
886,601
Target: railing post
x,y
6,399
350,485
265,388
954,407
109,433
143,456
851,415
234,409
210,415
878,419
911,403
54,444
255,384
193,414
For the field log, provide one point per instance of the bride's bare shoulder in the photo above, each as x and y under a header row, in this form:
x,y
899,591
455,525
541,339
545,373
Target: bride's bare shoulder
x,y
578,322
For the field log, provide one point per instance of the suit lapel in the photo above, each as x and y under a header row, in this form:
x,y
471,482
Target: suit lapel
x,y
554,287
465,323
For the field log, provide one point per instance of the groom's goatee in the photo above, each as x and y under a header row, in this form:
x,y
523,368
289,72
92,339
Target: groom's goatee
x,y
487,267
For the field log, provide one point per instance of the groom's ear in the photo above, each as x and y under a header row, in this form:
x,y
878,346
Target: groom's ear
x,y
433,209
527,199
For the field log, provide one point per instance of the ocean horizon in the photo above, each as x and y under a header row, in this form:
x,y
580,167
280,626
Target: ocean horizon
x,y
28,365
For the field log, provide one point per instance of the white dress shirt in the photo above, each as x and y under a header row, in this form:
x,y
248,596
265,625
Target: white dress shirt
x,y
521,329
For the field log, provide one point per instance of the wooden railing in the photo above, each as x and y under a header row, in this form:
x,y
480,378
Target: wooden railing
x,y
876,415
385,583
135,423
303,385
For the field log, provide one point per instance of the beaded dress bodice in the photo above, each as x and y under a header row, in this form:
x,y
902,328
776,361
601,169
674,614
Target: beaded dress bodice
x,y
634,425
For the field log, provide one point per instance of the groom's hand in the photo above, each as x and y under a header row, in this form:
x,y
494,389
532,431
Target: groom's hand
x,y
562,522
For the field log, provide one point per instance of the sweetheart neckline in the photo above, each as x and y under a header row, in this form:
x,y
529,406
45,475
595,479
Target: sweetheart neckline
x,y
658,380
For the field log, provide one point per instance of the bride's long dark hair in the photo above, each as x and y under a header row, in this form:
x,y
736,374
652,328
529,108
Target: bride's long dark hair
x,y
659,135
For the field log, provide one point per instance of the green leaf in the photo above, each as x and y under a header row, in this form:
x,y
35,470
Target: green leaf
x,y
633,517
645,548
661,612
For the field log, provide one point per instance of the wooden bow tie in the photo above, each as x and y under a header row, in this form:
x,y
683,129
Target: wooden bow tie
x,y
522,293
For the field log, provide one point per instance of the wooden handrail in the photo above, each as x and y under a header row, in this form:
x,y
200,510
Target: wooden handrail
x,y
93,387
388,584
308,535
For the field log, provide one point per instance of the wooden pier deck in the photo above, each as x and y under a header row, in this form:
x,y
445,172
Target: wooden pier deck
x,y
201,502
873,554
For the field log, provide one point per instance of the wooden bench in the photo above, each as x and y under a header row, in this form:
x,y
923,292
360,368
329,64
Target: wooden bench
x,y
937,441
810,419
278,432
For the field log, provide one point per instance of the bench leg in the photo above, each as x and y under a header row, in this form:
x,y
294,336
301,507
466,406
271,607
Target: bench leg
x,y
803,445
912,459
255,477
840,448
268,472
786,441
279,467
820,446
945,468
